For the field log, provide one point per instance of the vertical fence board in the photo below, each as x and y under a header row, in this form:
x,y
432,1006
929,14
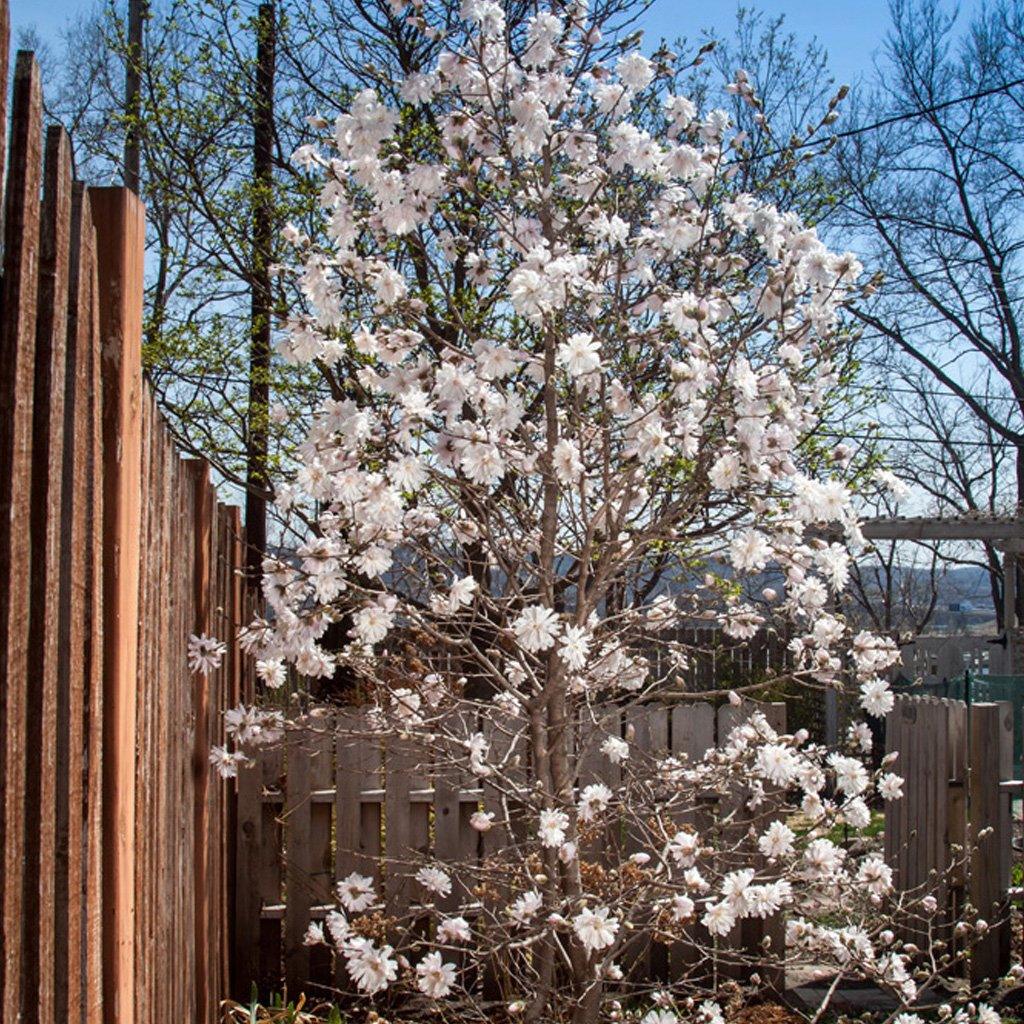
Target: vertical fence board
x,y
93,916
203,515
44,584
693,734
17,369
400,762
247,893
120,229
70,735
297,865
990,733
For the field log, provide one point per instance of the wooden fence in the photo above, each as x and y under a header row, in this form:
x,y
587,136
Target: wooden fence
x,y
325,804
117,859
957,765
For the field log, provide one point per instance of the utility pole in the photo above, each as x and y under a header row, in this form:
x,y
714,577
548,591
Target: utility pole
x,y
133,94
257,418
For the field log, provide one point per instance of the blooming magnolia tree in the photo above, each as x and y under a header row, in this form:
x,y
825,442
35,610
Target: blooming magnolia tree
x,y
574,357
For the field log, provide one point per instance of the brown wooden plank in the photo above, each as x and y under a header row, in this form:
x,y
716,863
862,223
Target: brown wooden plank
x,y
17,370
69,1002
271,873
120,230
989,832
693,734
594,766
93,698
144,741
450,842
247,893
203,514
5,60
44,584
162,838
234,961
297,866
357,825
400,760
182,690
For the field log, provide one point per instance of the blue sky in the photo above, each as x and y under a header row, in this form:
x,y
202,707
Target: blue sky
x,y
851,30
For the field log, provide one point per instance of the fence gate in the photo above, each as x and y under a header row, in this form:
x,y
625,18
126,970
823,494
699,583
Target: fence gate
x,y
951,832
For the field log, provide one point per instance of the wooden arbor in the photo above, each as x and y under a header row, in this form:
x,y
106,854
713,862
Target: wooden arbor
x,y
1006,533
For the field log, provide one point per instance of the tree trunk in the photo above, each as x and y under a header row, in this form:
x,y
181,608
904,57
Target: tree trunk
x,y
257,417
132,94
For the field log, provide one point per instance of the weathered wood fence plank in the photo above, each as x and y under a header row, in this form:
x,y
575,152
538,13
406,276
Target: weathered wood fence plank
x,y
17,371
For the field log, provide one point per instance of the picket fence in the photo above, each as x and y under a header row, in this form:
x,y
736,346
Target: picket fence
x,y
116,880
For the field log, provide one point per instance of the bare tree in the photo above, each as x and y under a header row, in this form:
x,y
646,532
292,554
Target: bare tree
x,y
935,196
894,586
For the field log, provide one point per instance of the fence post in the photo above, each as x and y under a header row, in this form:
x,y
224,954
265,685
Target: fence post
x,y
120,236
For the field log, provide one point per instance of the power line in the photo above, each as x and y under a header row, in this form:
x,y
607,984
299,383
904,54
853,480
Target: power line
x,y
885,122
900,439
885,389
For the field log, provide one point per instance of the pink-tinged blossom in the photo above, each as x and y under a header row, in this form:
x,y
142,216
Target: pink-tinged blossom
x,y
596,929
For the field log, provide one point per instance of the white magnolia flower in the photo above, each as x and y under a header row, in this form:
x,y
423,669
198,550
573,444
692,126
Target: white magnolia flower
x,y
482,821
552,826
435,880
574,647
205,654
596,929
750,551
272,672
580,354
356,893
461,593
226,762
372,969
823,857
536,628
593,800
371,623
777,840
434,978
890,786
719,918
876,698
684,848
683,908
405,705
777,763
454,930
615,749
851,775
875,875
337,925
710,1013
525,908
659,1017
